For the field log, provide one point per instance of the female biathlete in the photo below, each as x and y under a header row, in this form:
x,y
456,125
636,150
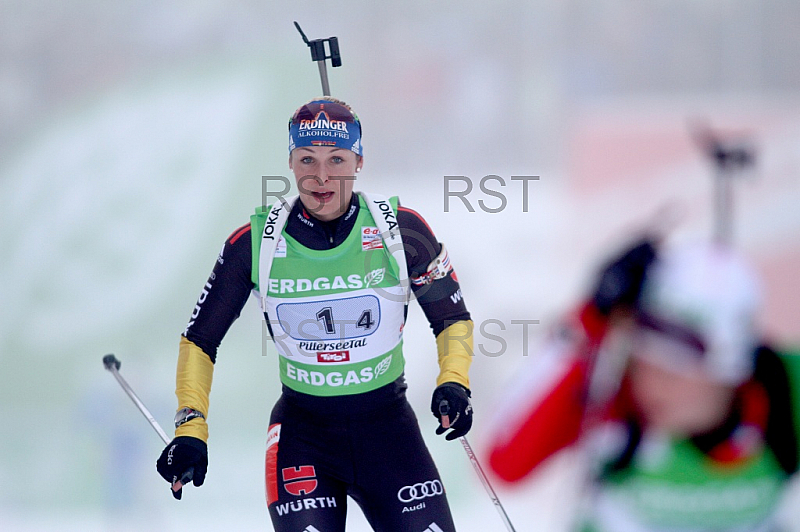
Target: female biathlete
x,y
332,271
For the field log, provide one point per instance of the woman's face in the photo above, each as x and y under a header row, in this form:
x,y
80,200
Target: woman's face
x,y
679,403
325,176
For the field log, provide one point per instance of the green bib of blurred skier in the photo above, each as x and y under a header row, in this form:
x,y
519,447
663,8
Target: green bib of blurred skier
x,y
672,485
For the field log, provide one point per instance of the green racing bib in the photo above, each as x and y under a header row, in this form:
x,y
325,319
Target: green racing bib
x,y
336,316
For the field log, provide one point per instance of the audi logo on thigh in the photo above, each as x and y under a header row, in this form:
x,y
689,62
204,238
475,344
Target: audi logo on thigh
x,y
420,490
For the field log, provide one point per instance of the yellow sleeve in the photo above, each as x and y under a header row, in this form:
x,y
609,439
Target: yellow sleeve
x,y
454,345
193,386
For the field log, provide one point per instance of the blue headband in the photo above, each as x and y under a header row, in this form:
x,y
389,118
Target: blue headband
x,y
325,123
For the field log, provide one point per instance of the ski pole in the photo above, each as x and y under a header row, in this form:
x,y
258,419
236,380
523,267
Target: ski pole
x,y
729,157
319,55
444,409
112,364
486,484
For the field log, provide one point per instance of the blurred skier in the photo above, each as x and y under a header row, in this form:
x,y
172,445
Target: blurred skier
x,y
690,420
331,275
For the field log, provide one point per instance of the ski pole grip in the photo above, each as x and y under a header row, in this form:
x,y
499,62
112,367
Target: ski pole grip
x,y
185,479
187,476
110,361
444,411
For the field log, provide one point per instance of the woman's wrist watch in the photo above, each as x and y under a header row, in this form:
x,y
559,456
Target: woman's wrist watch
x,y
187,414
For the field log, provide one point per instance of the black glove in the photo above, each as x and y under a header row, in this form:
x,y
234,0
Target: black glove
x,y
452,407
186,459
620,281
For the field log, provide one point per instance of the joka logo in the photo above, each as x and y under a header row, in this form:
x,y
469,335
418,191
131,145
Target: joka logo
x,y
299,480
388,215
374,277
333,356
269,226
420,491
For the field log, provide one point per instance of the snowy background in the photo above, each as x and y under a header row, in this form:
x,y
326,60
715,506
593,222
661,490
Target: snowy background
x,y
133,138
